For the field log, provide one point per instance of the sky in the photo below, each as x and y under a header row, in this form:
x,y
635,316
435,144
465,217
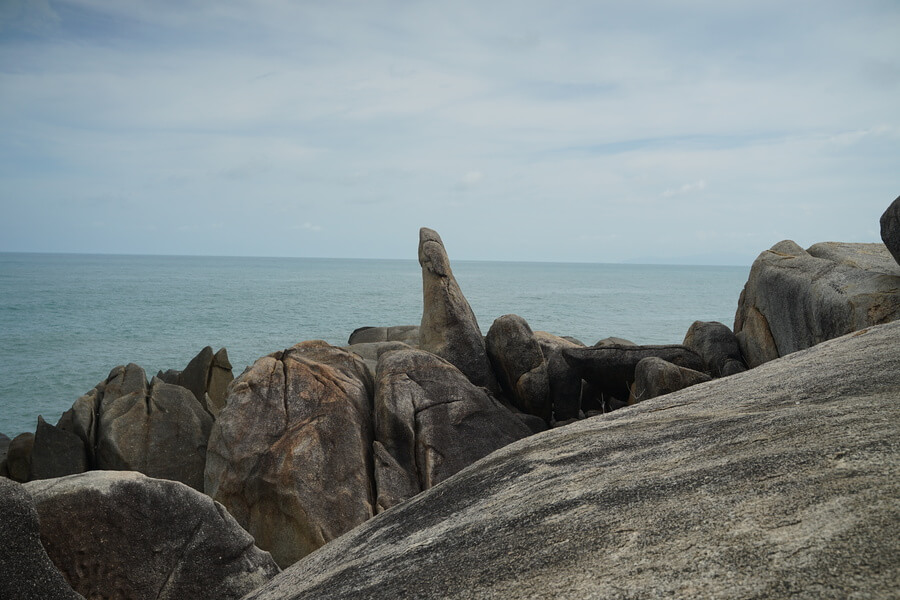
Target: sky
x,y
696,131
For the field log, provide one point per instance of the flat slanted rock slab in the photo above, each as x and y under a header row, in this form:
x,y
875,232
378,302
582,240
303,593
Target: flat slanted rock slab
x,y
782,481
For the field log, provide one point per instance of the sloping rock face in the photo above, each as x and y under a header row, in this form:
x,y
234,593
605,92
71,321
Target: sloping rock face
x,y
655,377
28,573
519,364
290,454
717,346
890,229
430,423
207,376
797,298
121,535
777,482
449,328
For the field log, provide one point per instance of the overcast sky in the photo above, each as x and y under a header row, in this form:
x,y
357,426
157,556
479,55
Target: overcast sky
x,y
566,130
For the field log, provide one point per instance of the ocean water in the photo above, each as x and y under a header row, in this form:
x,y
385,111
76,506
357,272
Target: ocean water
x,y
67,320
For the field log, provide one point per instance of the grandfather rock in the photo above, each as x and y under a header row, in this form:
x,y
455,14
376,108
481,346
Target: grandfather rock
x,y
890,229
519,364
717,346
27,572
18,457
778,482
290,454
796,298
121,535
408,334
162,433
56,452
565,382
431,422
449,328
655,377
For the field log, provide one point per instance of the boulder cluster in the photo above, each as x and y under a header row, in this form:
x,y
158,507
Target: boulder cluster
x,y
196,484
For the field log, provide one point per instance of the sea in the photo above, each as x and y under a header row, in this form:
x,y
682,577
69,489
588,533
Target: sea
x,y
66,320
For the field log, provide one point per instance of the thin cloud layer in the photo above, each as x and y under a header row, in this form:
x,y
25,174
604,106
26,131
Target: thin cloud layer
x,y
609,133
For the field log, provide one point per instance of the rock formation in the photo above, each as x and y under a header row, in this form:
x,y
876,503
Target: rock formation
x,y
890,229
290,454
565,382
18,457
717,346
4,449
27,572
656,377
56,452
449,328
207,376
519,364
124,535
781,481
408,334
431,422
797,298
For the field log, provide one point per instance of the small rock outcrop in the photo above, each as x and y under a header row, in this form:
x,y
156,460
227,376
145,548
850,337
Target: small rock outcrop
x,y
796,298
519,364
890,229
18,457
656,377
780,482
408,334
565,382
449,328
290,454
717,346
56,452
207,376
4,449
431,422
27,571
124,535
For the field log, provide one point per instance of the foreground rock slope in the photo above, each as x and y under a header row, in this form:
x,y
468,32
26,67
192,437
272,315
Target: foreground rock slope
x,y
780,481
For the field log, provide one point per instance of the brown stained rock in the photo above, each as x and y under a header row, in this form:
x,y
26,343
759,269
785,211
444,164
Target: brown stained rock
x,y
519,364
290,454
431,422
124,536
449,328
162,433
26,572
796,298
781,482
656,377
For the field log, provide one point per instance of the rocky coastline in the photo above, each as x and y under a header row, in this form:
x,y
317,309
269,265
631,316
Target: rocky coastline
x,y
438,461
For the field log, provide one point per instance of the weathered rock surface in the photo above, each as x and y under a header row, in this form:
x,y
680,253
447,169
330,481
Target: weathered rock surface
x,y
121,535
778,482
56,452
161,432
18,457
717,346
207,376
519,364
655,377
890,229
27,572
290,454
408,334
449,328
613,341
796,298
610,368
431,422
565,382
370,351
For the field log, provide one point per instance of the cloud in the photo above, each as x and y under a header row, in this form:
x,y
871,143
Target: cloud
x,y
311,227
687,188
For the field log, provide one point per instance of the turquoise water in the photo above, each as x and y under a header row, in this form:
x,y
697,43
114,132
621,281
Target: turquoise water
x,y
67,320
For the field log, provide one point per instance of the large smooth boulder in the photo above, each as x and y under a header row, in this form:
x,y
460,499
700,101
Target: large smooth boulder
x,y
778,482
717,346
207,376
56,452
161,432
655,377
290,455
125,535
610,368
431,422
565,382
890,229
519,364
796,298
408,334
27,572
18,457
449,328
